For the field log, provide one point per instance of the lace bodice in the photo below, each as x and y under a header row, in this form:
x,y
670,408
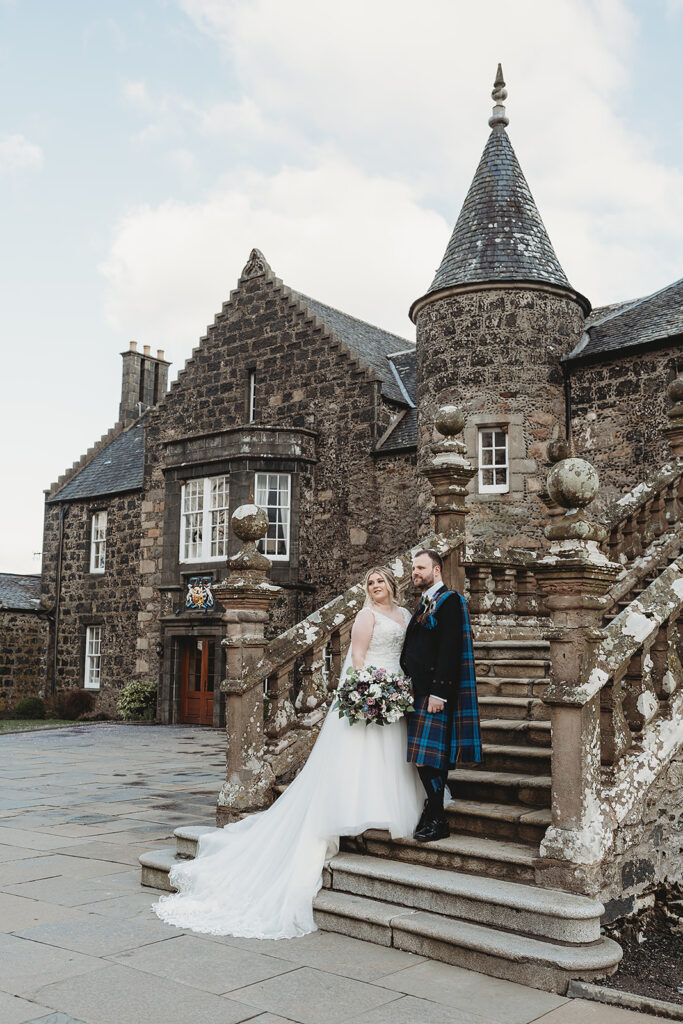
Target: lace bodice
x,y
386,643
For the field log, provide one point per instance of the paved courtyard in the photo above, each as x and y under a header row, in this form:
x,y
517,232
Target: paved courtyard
x,y
79,942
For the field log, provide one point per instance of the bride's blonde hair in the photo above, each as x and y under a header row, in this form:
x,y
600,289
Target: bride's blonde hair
x,y
388,577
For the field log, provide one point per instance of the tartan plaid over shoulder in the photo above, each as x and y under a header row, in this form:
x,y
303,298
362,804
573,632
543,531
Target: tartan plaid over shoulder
x,y
453,735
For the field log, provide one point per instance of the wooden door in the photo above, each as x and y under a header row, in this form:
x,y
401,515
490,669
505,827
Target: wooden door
x,y
196,680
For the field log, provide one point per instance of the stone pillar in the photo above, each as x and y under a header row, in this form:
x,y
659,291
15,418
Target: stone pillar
x,y
674,431
247,597
449,471
574,577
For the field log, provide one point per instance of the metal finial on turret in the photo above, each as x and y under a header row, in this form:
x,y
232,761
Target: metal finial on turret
x,y
499,94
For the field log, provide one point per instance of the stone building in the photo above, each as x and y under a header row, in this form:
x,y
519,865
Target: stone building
x,y
23,640
326,420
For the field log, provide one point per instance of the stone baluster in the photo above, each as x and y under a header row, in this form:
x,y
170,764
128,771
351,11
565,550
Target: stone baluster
x,y
336,659
615,735
478,576
640,702
313,690
247,597
449,471
671,507
281,715
527,593
574,576
645,524
504,588
674,430
632,546
615,543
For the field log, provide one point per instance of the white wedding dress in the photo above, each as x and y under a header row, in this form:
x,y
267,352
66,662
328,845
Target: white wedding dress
x,y
258,877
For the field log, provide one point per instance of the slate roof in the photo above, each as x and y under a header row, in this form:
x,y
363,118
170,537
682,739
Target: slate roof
x,y
371,343
499,235
19,593
623,325
117,468
404,434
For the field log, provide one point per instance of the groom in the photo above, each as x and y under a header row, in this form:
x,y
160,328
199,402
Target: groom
x,y
437,655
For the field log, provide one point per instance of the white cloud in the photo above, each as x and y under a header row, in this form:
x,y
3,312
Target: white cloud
x,y
407,96
352,240
16,152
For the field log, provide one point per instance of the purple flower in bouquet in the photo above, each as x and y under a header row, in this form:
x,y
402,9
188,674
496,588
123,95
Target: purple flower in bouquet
x,y
374,695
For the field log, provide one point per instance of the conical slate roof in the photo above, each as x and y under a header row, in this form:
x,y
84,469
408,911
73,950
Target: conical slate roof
x,y
499,235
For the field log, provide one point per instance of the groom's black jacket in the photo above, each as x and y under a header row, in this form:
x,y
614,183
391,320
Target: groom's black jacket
x,y
431,657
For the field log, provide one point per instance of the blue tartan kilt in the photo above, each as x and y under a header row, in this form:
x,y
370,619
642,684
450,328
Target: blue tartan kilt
x,y
432,739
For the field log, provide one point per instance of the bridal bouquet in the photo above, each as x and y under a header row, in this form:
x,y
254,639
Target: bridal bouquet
x,y
373,695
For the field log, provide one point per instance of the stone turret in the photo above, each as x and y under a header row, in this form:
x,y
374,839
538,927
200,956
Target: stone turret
x,y
491,331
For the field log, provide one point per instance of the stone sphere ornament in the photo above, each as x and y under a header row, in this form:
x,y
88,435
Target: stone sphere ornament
x,y
675,393
573,483
249,522
449,420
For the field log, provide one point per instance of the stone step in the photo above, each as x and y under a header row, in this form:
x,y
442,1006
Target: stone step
x,y
513,686
473,854
187,837
513,758
496,706
500,787
516,733
511,649
155,867
510,906
500,954
531,668
499,821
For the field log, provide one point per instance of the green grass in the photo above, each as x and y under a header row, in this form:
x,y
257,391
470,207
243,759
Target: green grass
x,y
22,724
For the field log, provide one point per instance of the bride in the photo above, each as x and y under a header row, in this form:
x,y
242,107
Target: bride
x,y
258,877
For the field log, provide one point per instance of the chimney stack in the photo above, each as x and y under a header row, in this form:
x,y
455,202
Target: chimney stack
x,y
144,382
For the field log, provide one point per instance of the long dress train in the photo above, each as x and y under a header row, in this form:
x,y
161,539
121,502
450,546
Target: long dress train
x,y
258,877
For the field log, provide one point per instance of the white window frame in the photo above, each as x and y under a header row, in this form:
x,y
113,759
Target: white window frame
x,y
92,674
98,542
267,543
252,395
494,488
201,487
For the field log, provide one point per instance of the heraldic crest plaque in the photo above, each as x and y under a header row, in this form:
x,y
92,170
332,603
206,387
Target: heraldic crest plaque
x,y
199,596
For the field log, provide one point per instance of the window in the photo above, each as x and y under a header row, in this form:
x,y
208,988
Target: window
x,y
493,460
252,395
273,493
204,520
98,541
93,657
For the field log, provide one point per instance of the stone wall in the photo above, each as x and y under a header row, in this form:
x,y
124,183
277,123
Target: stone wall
x,y
619,408
648,846
23,649
111,599
497,353
351,509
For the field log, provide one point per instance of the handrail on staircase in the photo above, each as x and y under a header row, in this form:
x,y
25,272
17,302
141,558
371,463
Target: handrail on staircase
x,y
646,512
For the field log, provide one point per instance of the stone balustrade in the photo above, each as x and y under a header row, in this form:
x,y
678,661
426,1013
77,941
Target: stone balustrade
x,y
503,587
650,510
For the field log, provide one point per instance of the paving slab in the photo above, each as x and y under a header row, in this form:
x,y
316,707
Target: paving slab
x,y
30,869
584,1011
26,966
309,996
409,1010
28,840
14,1010
338,954
503,1001
99,850
131,906
19,912
193,961
97,935
119,995
73,892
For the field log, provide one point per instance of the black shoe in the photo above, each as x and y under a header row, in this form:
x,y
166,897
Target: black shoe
x,y
423,818
434,828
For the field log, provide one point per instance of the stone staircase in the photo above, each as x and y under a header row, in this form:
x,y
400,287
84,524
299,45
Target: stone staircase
x,y
474,899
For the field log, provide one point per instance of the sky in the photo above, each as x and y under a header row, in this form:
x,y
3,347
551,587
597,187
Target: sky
x,y
147,147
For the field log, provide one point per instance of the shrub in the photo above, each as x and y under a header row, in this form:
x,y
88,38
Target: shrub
x,y
30,707
71,704
138,700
